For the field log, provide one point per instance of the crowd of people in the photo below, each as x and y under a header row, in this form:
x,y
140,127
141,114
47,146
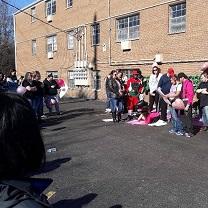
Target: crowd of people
x,y
171,98
33,89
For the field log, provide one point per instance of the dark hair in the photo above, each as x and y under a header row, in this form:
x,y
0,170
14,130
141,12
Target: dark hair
x,y
145,111
112,72
27,75
158,71
181,74
21,146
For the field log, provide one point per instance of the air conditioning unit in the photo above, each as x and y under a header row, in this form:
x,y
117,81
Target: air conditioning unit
x,y
49,18
158,58
50,55
126,45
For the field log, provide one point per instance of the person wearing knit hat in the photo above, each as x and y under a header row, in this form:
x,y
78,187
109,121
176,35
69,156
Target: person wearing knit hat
x,y
163,89
134,88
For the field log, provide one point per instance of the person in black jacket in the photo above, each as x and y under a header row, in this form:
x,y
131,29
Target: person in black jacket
x,y
37,102
21,153
51,93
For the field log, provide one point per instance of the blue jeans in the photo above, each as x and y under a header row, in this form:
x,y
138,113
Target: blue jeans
x,y
37,105
116,105
175,120
108,100
205,115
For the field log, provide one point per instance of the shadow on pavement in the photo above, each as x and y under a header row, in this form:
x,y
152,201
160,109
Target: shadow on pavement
x,y
52,165
116,206
75,203
66,115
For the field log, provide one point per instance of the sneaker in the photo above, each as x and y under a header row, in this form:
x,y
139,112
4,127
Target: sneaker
x,y
59,113
187,135
43,116
179,133
160,123
205,128
172,131
107,110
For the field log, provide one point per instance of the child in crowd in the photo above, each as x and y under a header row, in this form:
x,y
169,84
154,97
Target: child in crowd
x,y
147,117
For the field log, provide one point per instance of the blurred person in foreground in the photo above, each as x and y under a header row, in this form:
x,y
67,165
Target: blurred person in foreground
x,y
22,152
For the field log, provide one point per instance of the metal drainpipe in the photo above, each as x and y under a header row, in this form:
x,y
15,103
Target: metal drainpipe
x,y
109,41
15,43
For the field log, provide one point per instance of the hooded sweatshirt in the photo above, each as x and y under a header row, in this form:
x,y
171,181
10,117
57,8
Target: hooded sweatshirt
x,y
187,92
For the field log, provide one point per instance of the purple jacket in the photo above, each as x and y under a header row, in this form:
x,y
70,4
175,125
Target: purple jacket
x,y
187,91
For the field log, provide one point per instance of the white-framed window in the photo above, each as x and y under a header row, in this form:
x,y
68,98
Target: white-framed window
x,y
95,34
177,20
54,73
71,80
34,47
33,14
69,3
51,43
128,27
50,7
70,40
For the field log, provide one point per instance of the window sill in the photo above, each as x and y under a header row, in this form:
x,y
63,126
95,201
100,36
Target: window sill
x,y
119,41
176,33
68,7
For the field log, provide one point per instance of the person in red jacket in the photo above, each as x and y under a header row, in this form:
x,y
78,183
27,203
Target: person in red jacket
x,y
134,89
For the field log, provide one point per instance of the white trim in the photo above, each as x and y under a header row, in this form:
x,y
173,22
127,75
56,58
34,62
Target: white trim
x,y
28,6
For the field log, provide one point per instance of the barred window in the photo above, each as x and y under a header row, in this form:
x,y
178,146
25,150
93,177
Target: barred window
x,y
128,28
177,22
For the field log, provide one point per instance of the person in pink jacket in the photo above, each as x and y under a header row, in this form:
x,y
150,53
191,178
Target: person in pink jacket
x,y
187,95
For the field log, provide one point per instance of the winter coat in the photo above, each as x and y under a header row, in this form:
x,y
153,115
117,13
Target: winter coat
x,y
20,194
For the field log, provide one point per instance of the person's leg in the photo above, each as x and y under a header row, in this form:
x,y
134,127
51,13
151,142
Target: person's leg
x,y
130,106
108,100
48,103
205,115
151,102
56,104
188,122
163,106
157,97
113,107
120,108
173,119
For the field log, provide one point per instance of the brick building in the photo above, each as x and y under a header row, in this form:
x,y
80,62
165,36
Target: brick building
x,y
82,41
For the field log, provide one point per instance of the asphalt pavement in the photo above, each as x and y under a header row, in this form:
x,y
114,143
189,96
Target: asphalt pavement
x,y
105,165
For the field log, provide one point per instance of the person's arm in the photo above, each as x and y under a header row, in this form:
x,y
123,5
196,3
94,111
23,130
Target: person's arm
x,y
151,85
141,117
189,94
